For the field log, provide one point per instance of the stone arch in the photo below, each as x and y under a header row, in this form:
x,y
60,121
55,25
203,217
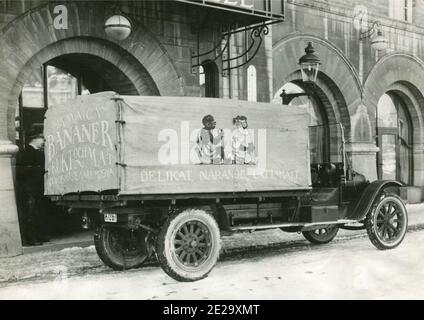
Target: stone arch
x,y
125,65
398,71
403,75
333,108
91,68
337,79
31,38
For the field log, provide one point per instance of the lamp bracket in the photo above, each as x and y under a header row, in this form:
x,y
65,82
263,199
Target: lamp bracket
x,y
219,47
253,39
288,97
309,88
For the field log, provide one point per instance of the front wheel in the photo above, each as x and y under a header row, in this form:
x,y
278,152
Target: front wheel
x,y
387,222
120,248
188,245
321,236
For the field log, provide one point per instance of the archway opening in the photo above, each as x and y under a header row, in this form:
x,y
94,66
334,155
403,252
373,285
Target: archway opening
x,y
318,120
319,129
56,81
96,73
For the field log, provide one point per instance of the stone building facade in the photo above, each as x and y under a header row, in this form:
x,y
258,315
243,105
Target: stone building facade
x,y
156,59
357,82
377,96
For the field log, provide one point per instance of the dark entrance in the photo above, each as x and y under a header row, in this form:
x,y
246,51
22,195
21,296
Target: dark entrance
x,y
211,79
55,82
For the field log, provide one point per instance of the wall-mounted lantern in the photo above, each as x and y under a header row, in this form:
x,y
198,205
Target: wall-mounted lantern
x,y
379,42
309,65
118,27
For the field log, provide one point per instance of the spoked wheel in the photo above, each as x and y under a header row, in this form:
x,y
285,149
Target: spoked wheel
x,y
387,222
120,248
188,245
321,236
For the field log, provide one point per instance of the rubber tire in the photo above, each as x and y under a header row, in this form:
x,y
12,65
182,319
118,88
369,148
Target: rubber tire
x,y
117,260
321,239
369,222
163,244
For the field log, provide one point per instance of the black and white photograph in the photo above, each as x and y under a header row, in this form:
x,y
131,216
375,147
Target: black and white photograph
x,y
211,154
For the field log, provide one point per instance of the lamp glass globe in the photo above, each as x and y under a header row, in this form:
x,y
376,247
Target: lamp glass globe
x,y
118,27
379,43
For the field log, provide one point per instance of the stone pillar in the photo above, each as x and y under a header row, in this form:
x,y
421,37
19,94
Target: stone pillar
x,y
418,154
10,236
364,158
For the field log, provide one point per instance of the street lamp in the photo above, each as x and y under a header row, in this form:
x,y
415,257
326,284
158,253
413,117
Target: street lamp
x,y
309,66
379,43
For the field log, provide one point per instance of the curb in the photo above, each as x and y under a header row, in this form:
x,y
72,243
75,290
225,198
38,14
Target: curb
x,y
58,246
88,243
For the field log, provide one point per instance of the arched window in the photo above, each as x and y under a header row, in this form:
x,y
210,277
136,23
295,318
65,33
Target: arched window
x,y
394,138
209,79
251,84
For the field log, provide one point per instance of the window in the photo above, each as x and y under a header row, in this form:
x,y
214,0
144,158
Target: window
x,y
251,84
394,140
209,79
61,86
33,90
201,76
386,112
45,87
49,86
401,10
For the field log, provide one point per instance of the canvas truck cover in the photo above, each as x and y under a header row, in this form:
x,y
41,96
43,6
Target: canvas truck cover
x,y
81,141
174,145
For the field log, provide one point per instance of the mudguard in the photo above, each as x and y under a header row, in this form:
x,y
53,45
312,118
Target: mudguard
x,y
359,207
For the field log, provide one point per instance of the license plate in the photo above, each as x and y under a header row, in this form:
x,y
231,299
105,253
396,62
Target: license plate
x,y
111,217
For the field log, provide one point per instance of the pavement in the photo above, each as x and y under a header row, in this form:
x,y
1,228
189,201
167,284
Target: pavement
x,y
269,264
85,238
76,255
415,214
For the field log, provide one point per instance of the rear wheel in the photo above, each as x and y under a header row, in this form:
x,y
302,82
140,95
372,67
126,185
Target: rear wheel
x,y
188,245
387,222
121,248
321,236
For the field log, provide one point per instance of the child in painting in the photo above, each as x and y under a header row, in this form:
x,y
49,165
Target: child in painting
x,y
242,142
210,146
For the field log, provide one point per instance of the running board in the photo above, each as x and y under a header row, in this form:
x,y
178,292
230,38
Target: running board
x,y
293,224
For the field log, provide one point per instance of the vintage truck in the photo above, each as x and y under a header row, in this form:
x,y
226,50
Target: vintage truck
x,y
167,176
